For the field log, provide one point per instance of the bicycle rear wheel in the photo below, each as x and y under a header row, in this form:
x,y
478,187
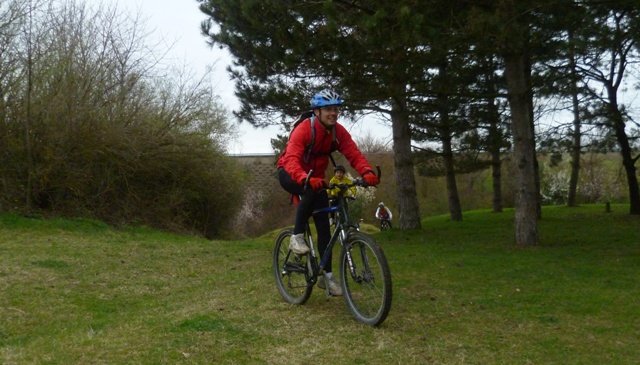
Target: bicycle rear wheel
x,y
366,279
291,271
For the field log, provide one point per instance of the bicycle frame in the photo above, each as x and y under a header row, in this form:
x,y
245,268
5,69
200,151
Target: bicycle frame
x,y
365,278
339,234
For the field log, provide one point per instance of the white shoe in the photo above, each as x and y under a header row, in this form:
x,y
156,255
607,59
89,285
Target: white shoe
x,y
298,245
334,287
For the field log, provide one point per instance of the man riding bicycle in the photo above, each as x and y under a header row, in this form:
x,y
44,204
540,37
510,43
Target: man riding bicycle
x,y
296,162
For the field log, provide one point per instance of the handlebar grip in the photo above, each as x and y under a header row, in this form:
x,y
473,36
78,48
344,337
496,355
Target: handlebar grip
x,y
306,181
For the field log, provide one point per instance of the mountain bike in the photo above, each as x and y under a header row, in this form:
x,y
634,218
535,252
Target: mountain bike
x,y
364,271
385,224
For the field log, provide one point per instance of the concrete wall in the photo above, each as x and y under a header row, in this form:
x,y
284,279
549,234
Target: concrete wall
x,y
266,206
262,171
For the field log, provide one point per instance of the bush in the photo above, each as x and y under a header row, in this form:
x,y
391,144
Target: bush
x,y
97,131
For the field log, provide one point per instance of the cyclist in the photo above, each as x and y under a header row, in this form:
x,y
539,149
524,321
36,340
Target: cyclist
x,y
295,163
383,214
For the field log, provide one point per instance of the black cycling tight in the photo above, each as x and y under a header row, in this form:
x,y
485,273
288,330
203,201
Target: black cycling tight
x,y
310,201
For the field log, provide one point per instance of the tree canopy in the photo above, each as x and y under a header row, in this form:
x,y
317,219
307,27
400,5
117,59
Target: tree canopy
x,y
425,65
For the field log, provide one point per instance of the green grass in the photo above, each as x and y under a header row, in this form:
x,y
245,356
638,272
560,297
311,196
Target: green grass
x,y
78,292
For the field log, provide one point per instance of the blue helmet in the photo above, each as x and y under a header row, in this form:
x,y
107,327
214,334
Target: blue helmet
x,y
326,98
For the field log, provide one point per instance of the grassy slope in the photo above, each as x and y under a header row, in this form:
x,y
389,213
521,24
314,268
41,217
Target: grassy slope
x,y
79,292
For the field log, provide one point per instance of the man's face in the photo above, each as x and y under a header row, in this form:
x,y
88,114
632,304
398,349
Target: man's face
x,y
328,115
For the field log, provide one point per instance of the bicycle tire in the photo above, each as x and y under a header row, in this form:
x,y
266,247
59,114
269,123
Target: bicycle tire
x,y
291,271
367,292
385,225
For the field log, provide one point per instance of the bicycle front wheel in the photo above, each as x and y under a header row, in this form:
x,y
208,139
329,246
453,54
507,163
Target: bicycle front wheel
x,y
366,279
292,272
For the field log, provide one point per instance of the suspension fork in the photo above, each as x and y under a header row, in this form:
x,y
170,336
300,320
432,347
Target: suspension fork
x,y
346,246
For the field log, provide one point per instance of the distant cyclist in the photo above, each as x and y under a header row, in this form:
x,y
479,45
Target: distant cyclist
x,y
384,215
295,163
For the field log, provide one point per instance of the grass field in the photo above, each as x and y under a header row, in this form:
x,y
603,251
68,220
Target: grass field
x,y
79,292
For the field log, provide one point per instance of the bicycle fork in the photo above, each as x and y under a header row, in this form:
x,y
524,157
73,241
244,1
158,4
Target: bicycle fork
x,y
346,246
366,274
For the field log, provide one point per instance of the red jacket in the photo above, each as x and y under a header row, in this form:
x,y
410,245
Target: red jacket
x,y
293,158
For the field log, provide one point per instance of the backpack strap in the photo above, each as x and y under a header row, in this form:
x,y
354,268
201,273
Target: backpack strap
x,y
332,160
307,150
334,146
334,142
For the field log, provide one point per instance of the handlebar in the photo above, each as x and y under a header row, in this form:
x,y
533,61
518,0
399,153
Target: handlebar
x,y
356,182
306,180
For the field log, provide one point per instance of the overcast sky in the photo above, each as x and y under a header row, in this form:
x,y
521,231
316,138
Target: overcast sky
x,y
175,25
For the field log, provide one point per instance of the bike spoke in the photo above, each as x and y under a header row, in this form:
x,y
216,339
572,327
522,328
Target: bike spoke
x,y
367,280
291,271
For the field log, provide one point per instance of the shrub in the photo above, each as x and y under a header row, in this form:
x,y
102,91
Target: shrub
x,y
98,131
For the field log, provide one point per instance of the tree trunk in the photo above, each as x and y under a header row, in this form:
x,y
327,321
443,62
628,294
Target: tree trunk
x,y
28,121
496,180
529,99
575,151
406,195
576,134
495,142
628,161
455,211
526,198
